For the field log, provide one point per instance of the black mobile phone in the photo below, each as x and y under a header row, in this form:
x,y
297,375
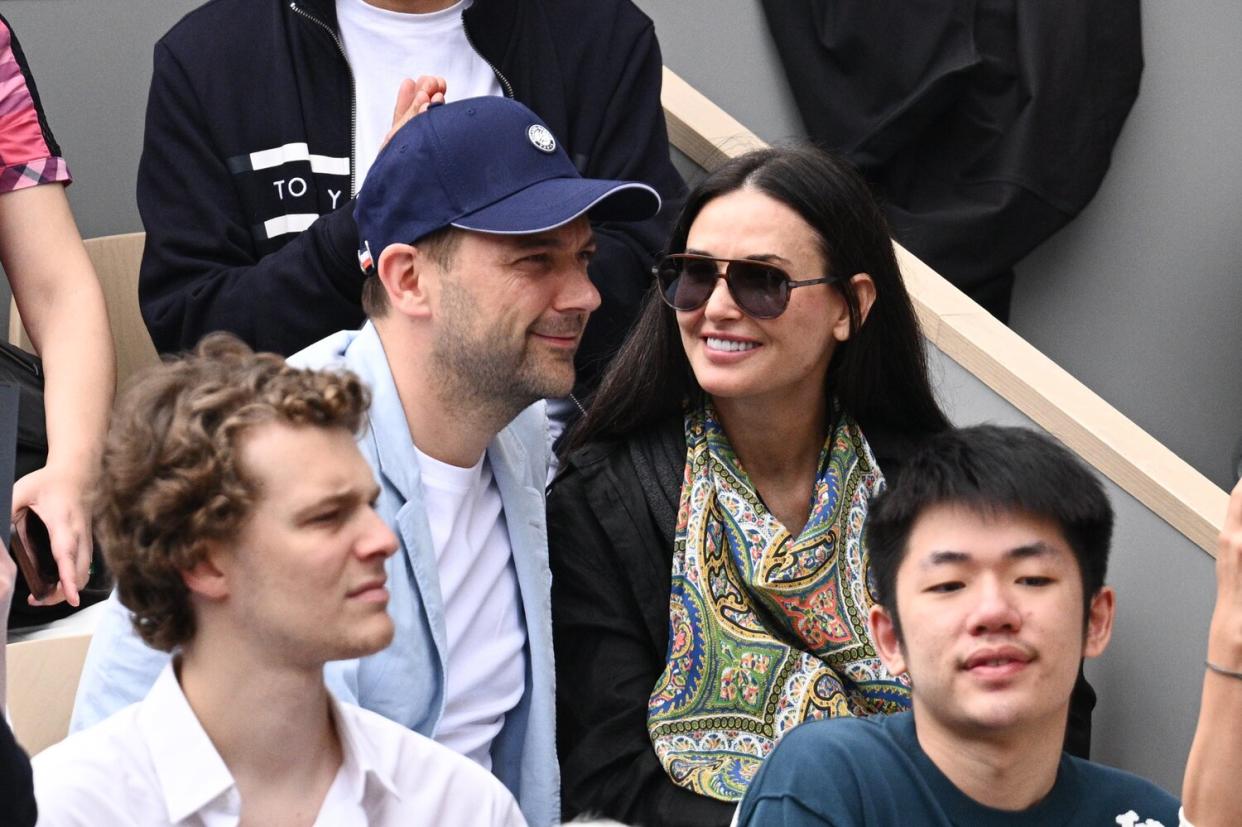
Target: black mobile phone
x,y
31,547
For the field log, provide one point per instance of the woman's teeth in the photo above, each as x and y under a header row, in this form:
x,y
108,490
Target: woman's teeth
x,y
729,344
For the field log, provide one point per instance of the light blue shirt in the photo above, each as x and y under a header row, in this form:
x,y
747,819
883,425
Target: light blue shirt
x,y
406,681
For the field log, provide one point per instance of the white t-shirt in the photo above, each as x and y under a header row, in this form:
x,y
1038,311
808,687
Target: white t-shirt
x,y
482,606
153,764
384,47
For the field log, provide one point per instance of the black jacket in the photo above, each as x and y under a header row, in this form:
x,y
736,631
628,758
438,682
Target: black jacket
x,y
17,801
236,77
611,518
986,125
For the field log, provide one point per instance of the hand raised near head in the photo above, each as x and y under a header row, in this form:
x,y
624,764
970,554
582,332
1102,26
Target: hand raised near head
x,y
1225,637
413,98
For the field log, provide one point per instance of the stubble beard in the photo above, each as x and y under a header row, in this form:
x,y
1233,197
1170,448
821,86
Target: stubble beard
x,y
479,370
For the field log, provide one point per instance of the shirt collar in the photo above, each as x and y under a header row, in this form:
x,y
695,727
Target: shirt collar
x,y
363,760
1057,807
191,773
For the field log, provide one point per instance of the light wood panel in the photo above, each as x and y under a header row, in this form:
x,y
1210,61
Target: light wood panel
x,y
116,259
42,681
1007,363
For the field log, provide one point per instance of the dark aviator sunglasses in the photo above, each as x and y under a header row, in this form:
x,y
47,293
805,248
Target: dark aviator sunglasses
x,y
759,289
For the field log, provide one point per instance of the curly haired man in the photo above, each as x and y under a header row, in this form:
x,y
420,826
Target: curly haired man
x,y
236,513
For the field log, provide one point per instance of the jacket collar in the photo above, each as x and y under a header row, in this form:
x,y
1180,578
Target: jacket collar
x,y
324,10
394,450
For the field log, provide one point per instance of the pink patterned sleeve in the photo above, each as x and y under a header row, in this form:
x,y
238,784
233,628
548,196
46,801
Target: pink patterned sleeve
x,y
29,155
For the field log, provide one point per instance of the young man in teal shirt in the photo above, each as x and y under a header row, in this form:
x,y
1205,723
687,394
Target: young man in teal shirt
x,y
988,555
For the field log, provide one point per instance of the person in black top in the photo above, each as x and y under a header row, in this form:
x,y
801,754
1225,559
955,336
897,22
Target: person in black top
x,y
16,786
250,158
709,582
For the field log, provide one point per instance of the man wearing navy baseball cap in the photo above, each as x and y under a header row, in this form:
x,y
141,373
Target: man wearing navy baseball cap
x,y
475,237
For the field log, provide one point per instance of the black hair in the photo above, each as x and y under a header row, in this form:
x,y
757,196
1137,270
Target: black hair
x,y
991,470
878,376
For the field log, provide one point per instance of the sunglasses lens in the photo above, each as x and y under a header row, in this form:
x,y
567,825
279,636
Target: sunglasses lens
x,y
686,284
758,289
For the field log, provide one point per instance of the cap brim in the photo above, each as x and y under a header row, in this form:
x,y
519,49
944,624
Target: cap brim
x,y
548,204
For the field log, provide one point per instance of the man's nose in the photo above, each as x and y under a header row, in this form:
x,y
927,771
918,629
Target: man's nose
x,y
377,538
577,292
995,610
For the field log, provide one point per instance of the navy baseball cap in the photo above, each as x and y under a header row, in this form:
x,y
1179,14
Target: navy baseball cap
x,y
486,164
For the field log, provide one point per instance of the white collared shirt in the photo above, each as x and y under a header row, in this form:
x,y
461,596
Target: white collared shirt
x,y
152,764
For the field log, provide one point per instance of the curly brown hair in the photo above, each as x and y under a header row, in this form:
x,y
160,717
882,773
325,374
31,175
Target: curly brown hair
x,y
172,478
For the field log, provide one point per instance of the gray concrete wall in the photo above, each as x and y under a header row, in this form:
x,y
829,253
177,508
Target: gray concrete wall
x,y
92,63
1140,296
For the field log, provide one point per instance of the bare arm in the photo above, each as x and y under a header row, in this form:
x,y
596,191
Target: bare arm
x,y
1211,794
62,307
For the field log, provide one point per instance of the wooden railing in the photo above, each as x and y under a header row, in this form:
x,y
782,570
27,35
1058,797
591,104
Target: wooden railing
x,y
1000,358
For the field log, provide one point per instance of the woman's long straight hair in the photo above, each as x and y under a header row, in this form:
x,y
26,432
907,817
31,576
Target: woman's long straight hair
x,y
878,376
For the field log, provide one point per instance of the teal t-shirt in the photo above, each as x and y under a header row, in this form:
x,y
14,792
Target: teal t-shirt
x,y
851,772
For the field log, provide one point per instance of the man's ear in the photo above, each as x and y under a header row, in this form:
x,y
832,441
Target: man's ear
x,y
886,639
864,292
403,271
1100,613
208,578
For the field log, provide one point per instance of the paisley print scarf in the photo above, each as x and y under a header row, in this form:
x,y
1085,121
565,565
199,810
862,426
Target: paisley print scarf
x,y
766,630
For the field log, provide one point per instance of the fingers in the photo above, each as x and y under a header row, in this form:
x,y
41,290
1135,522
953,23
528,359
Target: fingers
x,y
1225,632
72,552
1233,513
405,99
24,492
432,85
59,499
414,97
1229,546
53,597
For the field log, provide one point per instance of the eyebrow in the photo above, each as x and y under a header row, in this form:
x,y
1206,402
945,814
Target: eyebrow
x,y
1025,552
767,257
344,496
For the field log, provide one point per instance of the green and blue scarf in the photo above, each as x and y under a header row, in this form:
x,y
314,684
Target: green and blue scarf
x,y
766,630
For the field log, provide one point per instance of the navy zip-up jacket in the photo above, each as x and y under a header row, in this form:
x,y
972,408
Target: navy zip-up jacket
x,y
246,176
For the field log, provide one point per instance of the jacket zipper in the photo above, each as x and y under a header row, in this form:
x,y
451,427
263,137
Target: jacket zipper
x,y
504,81
353,86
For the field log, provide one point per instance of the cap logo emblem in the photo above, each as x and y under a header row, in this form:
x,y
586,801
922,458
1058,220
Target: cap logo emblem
x,y
541,138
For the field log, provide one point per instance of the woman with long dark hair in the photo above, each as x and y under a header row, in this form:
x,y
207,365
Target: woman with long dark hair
x,y
710,581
